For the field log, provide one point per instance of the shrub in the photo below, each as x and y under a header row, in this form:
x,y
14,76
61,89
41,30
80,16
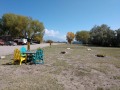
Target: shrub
x,y
49,41
100,55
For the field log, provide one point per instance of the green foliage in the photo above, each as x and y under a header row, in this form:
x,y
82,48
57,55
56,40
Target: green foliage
x,y
117,37
38,30
20,26
102,35
82,36
38,37
13,24
49,41
1,24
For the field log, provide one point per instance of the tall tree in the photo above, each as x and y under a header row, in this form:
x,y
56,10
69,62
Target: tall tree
x,y
118,36
38,30
101,35
1,26
13,24
70,37
20,26
82,36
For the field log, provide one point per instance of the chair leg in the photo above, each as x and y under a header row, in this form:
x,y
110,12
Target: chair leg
x,y
42,61
34,62
26,59
20,62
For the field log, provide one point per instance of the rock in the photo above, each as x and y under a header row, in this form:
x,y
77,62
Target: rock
x,y
68,48
2,57
88,49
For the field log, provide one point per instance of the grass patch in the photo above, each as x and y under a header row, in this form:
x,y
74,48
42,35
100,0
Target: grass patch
x,y
101,68
61,63
100,88
59,66
45,82
80,73
116,77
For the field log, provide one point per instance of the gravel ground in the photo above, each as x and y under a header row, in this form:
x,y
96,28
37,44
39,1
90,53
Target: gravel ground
x,y
6,50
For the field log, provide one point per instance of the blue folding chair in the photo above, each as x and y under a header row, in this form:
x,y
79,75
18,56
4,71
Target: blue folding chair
x,y
22,51
38,57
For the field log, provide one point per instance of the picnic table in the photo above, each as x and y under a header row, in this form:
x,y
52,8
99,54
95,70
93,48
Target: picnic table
x,y
35,57
29,55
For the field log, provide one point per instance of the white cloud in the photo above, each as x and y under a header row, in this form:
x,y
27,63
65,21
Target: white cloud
x,y
51,32
54,35
63,37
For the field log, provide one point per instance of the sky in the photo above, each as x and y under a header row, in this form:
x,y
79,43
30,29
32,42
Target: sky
x,y
62,16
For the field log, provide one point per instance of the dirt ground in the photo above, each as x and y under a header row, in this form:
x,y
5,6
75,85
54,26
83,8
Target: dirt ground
x,y
6,50
77,69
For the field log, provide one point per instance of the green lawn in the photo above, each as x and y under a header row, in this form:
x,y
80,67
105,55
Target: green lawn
x,y
77,69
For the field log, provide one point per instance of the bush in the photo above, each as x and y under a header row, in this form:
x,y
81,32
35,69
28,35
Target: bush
x,y
49,41
100,55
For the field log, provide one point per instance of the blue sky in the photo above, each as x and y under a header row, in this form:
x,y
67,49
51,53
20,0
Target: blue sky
x,y
62,16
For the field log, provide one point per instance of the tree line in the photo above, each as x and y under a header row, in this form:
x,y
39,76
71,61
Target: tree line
x,y
101,35
18,26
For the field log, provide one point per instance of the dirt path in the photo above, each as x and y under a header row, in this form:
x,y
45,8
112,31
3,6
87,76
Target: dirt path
x,y
6,50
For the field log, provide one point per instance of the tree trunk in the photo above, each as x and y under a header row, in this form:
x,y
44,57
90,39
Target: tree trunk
x,y
28,45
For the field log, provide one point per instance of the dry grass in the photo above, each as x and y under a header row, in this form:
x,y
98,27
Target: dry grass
x,y
77,69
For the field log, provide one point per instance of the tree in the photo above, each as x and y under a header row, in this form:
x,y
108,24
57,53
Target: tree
x,y
101,35
118,37
38,30
20,26
34,30
70,37
37,37
50,42
14,24
1,26
82,36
